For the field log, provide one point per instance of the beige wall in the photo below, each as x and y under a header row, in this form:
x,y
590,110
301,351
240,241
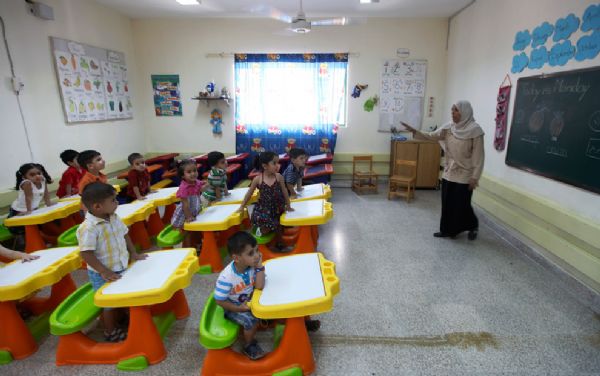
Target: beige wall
x,y
28,37
480,54
179,46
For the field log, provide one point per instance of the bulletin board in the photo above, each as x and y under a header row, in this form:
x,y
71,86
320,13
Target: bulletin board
x,y
93,82
402,91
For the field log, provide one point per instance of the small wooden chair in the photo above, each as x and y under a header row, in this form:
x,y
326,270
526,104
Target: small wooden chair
x,y
363,180
405,175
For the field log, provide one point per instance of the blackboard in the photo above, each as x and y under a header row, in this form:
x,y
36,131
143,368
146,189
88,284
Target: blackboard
x,y
555,129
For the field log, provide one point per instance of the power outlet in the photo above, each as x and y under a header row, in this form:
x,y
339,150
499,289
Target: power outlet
x,y
17,84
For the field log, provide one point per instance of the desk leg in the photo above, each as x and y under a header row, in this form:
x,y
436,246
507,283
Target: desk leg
x,y
169,210
155,224
60,291
139,235
177,304
305,242
15,337
33,239
315,234
209,254
66,223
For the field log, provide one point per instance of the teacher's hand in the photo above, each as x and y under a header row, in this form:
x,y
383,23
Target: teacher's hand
x,y
473,183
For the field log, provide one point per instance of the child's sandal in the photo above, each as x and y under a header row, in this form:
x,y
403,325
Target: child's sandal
x,y
117,335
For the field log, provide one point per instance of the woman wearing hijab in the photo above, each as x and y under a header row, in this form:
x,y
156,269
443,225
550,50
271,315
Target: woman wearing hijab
x,y
462,141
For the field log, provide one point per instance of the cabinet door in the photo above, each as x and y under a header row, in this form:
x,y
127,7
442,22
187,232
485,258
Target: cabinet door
x,y
404,150
428,166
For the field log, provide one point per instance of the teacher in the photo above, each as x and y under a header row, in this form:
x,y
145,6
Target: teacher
x,y
462,141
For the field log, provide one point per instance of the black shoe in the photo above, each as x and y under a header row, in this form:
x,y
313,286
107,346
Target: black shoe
x,y
472,235
441,235
253,351
312,325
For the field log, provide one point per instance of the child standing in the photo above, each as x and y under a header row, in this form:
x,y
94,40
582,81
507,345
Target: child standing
x,y
105,246
273,200
217,177
91,161
138,178
69,182
189,192
235,286
295,171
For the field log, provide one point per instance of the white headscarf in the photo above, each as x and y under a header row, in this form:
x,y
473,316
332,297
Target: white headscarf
x,y
466,128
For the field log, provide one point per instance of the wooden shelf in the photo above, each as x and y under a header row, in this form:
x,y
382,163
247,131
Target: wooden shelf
x,y
208,99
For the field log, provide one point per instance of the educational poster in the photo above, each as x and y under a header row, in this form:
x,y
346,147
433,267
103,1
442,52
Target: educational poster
x,y
402,92
167,99
93,82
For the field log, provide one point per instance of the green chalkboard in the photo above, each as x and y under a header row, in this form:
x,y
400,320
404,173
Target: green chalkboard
x,y
555,129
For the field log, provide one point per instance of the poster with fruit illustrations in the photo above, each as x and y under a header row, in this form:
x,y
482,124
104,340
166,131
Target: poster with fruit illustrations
x,y
93,82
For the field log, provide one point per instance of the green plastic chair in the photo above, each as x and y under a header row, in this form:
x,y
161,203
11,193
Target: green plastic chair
x,y
216,332
75,312
5,234
68,238
169,237
263,239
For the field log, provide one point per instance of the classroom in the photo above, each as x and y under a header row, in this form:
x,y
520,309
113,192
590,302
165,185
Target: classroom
x,y
409,187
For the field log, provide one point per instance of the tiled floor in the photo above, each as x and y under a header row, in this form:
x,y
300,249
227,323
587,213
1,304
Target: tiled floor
x,y
410,304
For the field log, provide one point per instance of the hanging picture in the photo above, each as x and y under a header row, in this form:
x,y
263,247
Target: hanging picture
x,y
167,99
502,113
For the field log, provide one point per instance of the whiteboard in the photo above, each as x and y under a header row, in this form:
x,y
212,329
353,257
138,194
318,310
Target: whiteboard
x,y
402,90
93,82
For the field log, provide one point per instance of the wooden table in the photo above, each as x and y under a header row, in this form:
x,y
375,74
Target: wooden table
x,y
33,237
319,159
20,279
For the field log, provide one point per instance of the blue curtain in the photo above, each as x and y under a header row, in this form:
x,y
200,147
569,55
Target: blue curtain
x,y
289,100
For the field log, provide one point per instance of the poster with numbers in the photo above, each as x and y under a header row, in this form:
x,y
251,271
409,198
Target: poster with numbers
x,y
93,82
402,91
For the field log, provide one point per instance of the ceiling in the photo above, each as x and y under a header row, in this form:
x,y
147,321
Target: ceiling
x,y
312,8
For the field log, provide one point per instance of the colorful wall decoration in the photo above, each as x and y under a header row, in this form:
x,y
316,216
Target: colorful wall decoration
x,y
167,99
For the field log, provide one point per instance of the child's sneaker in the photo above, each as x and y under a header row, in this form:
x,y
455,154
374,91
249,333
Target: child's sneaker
x,y
117,335
312,325
253,351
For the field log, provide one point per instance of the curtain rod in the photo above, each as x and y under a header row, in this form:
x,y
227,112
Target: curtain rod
x,y
231,54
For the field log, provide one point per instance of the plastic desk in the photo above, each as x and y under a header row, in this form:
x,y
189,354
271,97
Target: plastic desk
x,y
33,238
319,159
244,160
133,216
17,281
232,174
164,160
295,286
319,173
162,197
155,171
236,196
314,191
238,158
153,291
307,214
212,219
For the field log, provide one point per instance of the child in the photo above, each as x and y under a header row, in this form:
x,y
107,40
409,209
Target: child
x,y
217,177
138,177
32,180
189,192
69,182
294,171
104,245
14,255
273,200
235,286
92,162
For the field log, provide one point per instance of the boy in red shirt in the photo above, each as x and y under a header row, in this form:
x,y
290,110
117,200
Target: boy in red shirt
x,y
138,178
69,182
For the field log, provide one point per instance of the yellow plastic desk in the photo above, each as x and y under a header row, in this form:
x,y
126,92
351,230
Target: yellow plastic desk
x,y
236,197
214,218
78,196
33,237
307,214
159,199
313,192
134,215
18,280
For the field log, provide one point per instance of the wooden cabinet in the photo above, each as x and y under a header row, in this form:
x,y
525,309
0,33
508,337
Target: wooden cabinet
x,y
426,153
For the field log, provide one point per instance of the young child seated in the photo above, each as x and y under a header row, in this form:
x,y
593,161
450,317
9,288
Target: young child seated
x,y
217,177
69,182
189,193
235,286
91,161
105,246
294,171
138,177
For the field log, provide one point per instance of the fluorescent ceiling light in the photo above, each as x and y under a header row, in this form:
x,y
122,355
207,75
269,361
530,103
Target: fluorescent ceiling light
x,y
190,2
368,1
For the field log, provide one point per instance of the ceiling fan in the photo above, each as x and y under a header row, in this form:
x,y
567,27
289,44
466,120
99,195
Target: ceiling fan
x,y
299,23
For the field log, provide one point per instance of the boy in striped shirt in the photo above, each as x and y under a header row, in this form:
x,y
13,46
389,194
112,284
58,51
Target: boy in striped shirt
x,y
235,286
217,177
